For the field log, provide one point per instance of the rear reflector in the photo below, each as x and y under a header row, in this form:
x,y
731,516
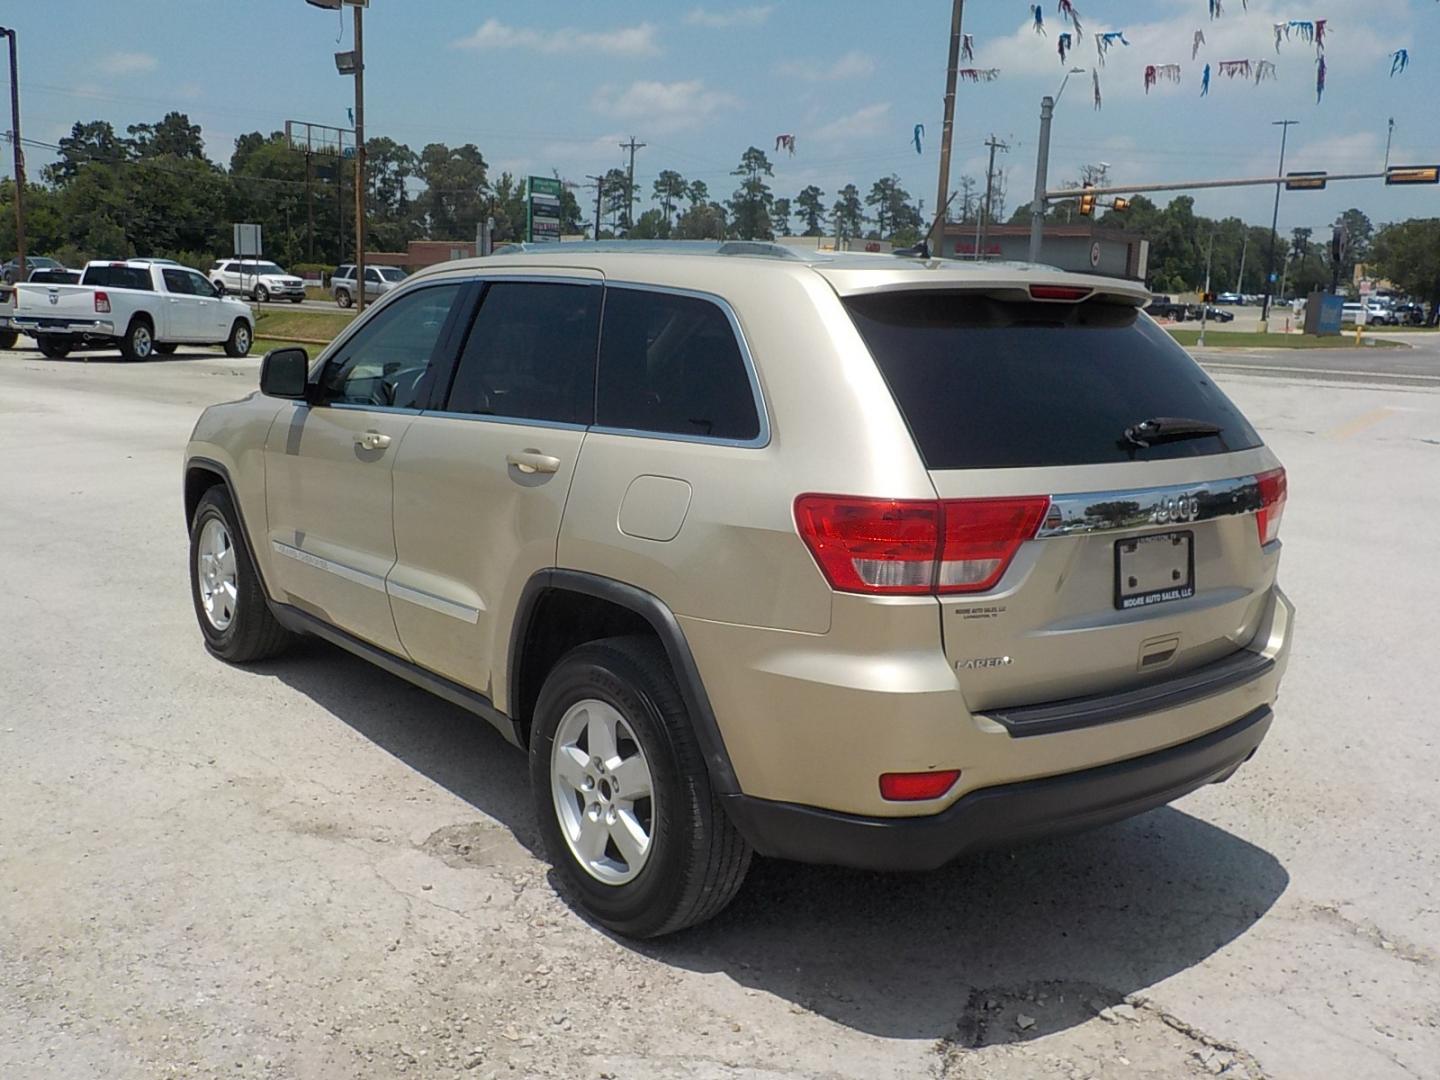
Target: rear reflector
x,y
915,786
102,301
1059,292
911,547
1272,504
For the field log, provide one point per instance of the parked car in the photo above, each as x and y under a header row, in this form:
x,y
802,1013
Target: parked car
x,y
260,281
8,334
954,606
54,275
1375,314
11,270
1210,311
1229,298
379,280
1409,313
140,306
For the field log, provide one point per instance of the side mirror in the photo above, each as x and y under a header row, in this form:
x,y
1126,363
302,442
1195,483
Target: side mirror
x,y
284,372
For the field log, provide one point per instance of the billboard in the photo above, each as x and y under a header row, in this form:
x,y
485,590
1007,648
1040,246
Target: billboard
x,y
542,209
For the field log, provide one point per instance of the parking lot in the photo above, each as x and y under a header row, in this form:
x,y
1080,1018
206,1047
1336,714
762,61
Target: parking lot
x,y
309,867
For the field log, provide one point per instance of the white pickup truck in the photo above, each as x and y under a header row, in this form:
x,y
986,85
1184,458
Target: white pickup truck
x,y
8,333
142,306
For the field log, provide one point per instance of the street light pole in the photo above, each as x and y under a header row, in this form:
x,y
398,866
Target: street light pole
x,y
937,238
360,156
1042,165
1284,126
19,157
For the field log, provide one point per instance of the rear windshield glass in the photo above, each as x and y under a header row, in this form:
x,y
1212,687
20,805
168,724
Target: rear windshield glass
x,y
987,384
119,277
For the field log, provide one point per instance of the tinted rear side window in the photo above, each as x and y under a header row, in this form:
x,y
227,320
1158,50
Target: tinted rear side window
x,y
671,365
119,277
991,384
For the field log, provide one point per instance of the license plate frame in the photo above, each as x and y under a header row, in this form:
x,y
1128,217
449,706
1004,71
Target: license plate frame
x,y
1146,569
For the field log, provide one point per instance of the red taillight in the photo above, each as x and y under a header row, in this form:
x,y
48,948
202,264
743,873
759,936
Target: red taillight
x,y
914,786
908,547
102,301
1059,292
981,537
872,545
1272,504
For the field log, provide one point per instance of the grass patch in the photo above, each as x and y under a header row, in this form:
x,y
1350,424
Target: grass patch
x,y
263,345
1226,339
312,325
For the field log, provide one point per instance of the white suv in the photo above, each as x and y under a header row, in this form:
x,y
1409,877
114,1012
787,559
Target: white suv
x,y
261,281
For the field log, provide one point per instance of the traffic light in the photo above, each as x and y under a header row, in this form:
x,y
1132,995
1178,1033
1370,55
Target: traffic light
x,y
1120,203
1413,174
1087,201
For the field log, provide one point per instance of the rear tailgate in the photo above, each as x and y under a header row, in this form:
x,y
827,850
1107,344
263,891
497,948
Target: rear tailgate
x,y
1148,561
52,302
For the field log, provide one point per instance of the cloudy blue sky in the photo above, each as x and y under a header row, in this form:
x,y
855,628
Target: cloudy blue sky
x,y
542,85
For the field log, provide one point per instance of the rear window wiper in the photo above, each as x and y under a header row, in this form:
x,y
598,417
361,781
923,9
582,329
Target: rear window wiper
x,y
1160,429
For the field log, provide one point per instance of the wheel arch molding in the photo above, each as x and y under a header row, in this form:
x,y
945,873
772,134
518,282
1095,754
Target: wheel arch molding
x,y
524,682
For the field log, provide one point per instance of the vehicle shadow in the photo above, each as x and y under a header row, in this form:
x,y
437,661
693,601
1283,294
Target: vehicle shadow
x,y
113,357
1004,946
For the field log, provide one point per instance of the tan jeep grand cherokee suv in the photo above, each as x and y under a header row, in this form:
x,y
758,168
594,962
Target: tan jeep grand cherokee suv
x,y
856,559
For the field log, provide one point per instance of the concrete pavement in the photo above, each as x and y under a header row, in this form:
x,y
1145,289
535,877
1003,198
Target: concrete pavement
x,y
308,868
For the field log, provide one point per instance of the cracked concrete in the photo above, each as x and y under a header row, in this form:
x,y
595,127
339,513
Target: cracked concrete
x,y
309,869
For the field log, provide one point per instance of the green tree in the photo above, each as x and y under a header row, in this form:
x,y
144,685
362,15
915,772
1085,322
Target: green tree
x,y
93,142
697,193
751,203
174,136
705,221
650,225
780,217
669,188
615,196
811,205
848,213
1408,253
456,194
507,207
393,219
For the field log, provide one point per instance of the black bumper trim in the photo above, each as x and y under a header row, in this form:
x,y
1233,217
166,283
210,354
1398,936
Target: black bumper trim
x,y
1082,712
1002,815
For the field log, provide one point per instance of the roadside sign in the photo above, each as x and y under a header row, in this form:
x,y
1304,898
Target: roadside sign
x,y
542,218
1365,287
1305,181
1413,174
247,241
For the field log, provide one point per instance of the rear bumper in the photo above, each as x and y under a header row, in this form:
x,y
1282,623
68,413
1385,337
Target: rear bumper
x,y
89,327
1001,815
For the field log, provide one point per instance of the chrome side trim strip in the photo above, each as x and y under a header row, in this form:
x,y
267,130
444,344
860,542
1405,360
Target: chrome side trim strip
x,y
1138,508
463,612
349,573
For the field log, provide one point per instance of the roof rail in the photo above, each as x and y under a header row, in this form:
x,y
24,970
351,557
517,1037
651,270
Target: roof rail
x,y
759,248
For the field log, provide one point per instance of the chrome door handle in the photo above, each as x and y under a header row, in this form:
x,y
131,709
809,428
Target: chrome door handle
x,y
533,461
372,440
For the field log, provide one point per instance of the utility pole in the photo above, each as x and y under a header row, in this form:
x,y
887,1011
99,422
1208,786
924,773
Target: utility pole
x,y
1042,165
937,239
632,146
1284,126
360,157
309,205
599,195
1205,293
994,144
1389,134
1244,246
19,157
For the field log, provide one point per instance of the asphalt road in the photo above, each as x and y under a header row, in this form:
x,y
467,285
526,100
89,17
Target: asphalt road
x,y
1416,365
307,868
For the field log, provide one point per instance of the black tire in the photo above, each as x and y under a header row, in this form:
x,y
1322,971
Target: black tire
x,y
139,340
262,294
697,860
240,339
53,346
252,632
8,339
343,298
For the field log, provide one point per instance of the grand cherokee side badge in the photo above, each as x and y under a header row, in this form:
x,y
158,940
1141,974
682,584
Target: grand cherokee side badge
x,y
983,662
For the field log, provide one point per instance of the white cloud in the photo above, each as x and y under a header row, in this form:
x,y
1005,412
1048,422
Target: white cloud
x,y
862,123
755,15
853,65
663,106
637,40
127,63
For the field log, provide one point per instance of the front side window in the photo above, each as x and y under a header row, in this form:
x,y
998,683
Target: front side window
x,y
372,275
530,354
199,285
388,362
671,365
